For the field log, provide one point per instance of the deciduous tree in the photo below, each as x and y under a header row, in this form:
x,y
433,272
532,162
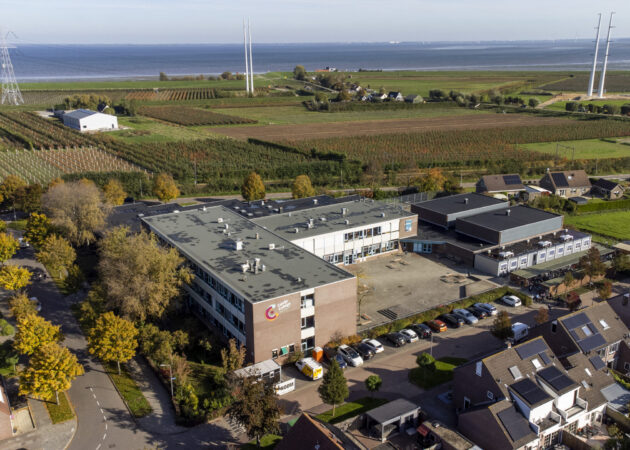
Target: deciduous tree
x,y
255,407
433,181
299,73
621,263
8,247
502,326
164,188
568,280
14,278
38,227
113,339
232,358
9,189
302,187
51,370
77,209
605,290
334,387
373,383
140,277
21,306
114,192
29,198
592,264
33,332
57,254
253,187
542,316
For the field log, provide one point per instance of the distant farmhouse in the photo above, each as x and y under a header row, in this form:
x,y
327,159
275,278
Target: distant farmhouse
x,y
87,120
510,184
570,183
608,189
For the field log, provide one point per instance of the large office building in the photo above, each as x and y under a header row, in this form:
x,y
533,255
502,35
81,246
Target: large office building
x,y
253,285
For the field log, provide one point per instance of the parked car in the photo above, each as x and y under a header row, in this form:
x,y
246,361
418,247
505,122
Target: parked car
x,y
23,242
310,368
519,332
468,317
422,330
342,362
478,312
396,338
410,335
511,300
36,303
350,355
331,355
364,350
375,345
452,321
437,325
490,309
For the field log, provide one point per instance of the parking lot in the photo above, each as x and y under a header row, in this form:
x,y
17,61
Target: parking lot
x,y
401,284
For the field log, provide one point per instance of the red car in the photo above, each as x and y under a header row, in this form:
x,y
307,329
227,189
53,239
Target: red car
x,y
437,325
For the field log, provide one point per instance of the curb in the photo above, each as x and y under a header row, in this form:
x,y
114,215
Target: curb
x,y
134,418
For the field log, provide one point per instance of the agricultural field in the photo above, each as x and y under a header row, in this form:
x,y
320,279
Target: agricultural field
x,y
286,115
585,148
41,166
144,129
561,106
19,129
615,82
172,95
188,116
612,224
375,127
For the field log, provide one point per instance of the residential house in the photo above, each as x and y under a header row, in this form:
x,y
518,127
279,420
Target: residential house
x,y
569,183
414,98
608,189
525,397
309,433
396,96
377,97
596,331
510,184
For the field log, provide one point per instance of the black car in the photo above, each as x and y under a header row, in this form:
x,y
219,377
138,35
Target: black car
x,y
451,320
364,350
422,330
397,339
478,312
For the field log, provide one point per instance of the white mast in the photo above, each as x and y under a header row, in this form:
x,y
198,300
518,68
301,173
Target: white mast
x,y
251,61
10,90
592,78
600,91
246,59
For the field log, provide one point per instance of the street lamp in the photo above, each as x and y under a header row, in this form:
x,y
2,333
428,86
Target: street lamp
x,y
170,372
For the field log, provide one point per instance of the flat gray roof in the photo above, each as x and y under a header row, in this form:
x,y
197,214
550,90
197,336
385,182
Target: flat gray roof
x,y
392,410
359,213
500,220
458,203
202,236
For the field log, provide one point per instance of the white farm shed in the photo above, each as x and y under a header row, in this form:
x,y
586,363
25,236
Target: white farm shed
x,y
86,120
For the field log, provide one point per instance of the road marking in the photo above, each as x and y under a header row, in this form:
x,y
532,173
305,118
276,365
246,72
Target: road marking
x,y
98,403
104,436
102,412
94,395
105,426
98,446
91,389
105,418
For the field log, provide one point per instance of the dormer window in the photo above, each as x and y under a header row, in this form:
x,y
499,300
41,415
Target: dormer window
x,y
604,324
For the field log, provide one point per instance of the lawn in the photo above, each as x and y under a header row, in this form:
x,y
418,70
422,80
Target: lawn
x,y
284,115
145,130
351,409
585,149
61,412
443,372
129,390
612,224
17,225
269,441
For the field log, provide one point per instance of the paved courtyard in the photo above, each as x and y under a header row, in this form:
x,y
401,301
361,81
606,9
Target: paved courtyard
x,y
401,284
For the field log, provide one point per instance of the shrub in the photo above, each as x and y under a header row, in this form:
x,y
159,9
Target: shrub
x,y
6,329
571,106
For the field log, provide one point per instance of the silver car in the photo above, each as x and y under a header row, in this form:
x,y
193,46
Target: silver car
x,y
468,317
487,307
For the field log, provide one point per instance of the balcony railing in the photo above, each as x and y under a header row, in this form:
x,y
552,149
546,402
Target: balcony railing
x,y
579,406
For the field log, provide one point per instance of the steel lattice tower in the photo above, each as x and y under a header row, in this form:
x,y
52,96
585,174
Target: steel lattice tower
x,y
10,90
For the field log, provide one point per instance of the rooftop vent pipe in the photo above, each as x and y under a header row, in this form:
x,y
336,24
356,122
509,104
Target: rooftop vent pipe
x,y
220,220
314,201
507,212
465,200
272,246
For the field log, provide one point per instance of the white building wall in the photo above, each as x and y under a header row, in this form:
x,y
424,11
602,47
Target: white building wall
x,y
540,412
565,401
99,121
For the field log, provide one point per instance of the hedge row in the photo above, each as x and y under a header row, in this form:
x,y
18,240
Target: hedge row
x,y
486,297
135,184
603,206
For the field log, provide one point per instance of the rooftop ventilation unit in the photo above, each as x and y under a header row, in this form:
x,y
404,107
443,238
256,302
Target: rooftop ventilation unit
x,y
297,230
227,226
314,201
347,222
322,219
566,237
238,244
506,254
272,246
245,267
344,211
507,212
382,214
257,236
465,200
544,244
220,220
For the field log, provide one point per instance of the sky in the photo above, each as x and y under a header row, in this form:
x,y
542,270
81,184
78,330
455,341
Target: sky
x,y
286,21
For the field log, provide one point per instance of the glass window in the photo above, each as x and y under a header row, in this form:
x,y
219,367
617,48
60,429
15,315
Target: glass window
x,y
291,348
308,344
348,237
307,301
408,225
274,353
308,322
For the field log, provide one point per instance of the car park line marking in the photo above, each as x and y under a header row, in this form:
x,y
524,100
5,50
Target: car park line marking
x,y
105,424
98,404
98,446
102,412
104,436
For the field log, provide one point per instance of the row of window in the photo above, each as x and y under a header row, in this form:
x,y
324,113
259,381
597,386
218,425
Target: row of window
x,y
306,345
219,307
219,287
307,301
367,233
308,322
544,255
364,252
214,321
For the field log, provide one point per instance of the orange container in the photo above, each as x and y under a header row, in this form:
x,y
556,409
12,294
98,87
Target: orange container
x,y
318,354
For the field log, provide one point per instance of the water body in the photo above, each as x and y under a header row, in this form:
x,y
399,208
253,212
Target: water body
x,y
84,62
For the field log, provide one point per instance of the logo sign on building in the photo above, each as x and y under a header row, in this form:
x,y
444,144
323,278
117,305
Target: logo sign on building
x,y
273,311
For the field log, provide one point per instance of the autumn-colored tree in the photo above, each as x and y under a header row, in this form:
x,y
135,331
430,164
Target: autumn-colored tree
x,y
38,227
605,290
21,306
542,316
14,278
502,326
433,181
253,187
164,188
29,198
232,358
140,276
114,192
9,189
302,187
568,280
51,370
591,264
181,369
54,182
57,254
33,332
77,209
113,339
8,246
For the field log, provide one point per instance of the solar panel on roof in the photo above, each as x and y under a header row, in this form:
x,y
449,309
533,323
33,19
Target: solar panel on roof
x,y
515,424
592,342
597,362
576,321
560,180
529,391
544,357
555,378
511,179
531,348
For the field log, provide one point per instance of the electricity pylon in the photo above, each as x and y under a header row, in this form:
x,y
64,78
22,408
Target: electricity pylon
x,y
10,90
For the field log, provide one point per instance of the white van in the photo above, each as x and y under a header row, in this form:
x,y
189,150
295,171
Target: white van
x,y
520,331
